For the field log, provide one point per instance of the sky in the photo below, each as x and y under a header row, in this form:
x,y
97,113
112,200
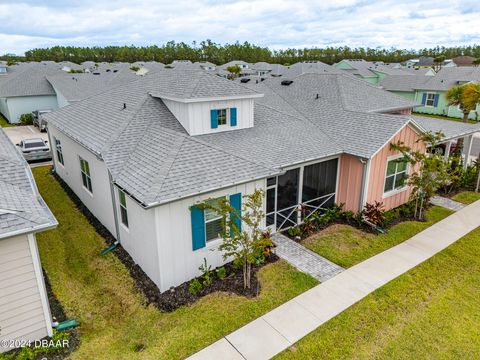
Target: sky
x,y
406,24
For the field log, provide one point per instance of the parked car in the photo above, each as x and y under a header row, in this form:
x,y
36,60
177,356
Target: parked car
x,y
35,149
38,119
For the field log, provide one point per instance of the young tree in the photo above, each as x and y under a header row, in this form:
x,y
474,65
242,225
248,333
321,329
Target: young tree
x,y
242,235
433,171
234,71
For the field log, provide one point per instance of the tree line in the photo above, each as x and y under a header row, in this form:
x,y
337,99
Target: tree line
x,y
220,54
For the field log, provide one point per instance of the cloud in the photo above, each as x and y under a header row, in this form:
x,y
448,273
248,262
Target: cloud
x,y
283,23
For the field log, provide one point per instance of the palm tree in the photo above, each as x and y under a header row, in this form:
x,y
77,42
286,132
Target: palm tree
x,y
456,96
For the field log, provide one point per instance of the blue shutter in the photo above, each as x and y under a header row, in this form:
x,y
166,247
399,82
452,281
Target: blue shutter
x,y
236,203
233,116
214,118
435,100
198,227
424,98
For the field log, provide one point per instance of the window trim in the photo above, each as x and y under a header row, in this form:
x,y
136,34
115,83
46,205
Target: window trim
x,y
123,207
205,222
227,116
88,176
59,151
390,193
433,100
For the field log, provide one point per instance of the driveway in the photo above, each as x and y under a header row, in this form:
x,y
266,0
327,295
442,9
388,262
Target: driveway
x,y
19,133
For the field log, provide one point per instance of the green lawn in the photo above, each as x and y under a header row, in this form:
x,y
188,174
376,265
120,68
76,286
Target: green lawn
x,y
431,312
442,117
347,246
99,292
4,123
467,197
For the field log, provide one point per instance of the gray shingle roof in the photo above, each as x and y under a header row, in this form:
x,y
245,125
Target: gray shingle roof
x,y
197,84
76,87
404,82
30,80
451,129
22,210
344,111
452,76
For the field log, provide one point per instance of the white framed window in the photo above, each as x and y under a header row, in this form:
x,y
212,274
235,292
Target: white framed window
x,y
396,175
123,207
59,151
214,222
430,100
85,170
222,116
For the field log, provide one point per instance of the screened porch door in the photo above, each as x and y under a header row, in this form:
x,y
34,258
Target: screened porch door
x,y
311,188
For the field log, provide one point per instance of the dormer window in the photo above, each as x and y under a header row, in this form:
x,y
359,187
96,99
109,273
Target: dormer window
x,y
222,116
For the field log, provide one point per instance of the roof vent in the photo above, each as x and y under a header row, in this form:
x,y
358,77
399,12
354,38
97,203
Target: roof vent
x,y
317,97
108,70
124,106
244,80
286,82
115,71
96,73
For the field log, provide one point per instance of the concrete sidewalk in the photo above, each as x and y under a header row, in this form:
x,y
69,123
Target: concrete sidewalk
x,y
275,331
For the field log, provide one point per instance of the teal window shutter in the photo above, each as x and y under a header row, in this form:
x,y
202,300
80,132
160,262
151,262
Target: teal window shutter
x,y
435,100
236,203
424,99
214,118
198,227
233,116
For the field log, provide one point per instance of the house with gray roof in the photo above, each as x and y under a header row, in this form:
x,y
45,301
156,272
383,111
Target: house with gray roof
x,y
25,89
24,309
372,72
429,91
143,155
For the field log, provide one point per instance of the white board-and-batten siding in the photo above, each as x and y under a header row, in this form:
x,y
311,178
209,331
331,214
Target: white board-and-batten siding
x,y
196,117
178,261
24,310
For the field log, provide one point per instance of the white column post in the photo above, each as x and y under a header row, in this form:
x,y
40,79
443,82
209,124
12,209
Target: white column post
x,y
467,150
448,148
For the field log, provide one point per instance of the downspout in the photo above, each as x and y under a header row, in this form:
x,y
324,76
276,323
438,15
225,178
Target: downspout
x,y
115,213
366,173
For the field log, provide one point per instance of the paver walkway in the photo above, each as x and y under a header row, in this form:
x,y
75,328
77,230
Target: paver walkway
x,y
447,203
304,259
275,331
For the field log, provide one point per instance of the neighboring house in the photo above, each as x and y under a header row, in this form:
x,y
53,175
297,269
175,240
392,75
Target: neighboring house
x,y
3,69
205,65
372,72
429,91
24,309
141,156
245,68
26,89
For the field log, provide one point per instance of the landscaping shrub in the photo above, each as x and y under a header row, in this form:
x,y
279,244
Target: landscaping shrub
x,y
374,213
294,231
74,71
206,273
221,273
26,119
469,177
195,286
134,68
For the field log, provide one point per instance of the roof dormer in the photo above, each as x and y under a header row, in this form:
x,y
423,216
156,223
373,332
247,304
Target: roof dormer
x,y
205,103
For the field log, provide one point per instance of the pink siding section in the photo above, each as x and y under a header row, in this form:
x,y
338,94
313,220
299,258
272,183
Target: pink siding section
x,y
350,182
378,167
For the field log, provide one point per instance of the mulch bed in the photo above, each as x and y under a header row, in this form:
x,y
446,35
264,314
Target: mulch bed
x,y
177,296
